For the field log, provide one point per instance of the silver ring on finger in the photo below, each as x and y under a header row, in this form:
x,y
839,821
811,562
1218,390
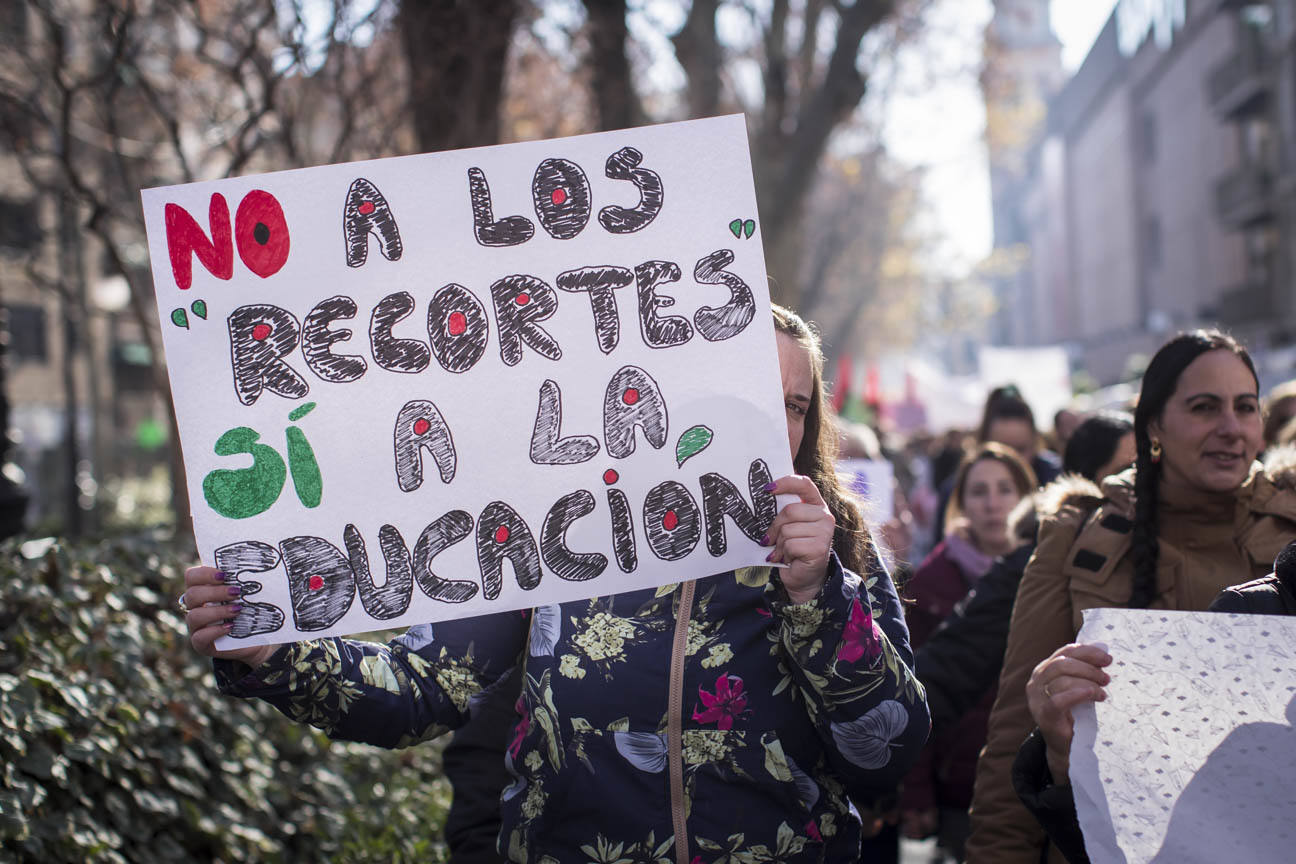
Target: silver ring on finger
x,y
184,607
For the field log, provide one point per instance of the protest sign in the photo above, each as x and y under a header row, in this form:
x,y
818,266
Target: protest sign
x,y
873,480
468,382
1192,756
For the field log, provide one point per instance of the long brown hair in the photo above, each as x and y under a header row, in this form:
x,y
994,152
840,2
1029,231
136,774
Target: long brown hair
x,y
817,456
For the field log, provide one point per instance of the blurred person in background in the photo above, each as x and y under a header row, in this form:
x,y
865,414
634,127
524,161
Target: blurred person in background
x,y
1007,419
1279,411
988,486
960,663
1193,516
1065,422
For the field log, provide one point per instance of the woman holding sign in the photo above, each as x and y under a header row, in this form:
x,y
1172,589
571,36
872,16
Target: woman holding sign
x,y
1194,515
728,716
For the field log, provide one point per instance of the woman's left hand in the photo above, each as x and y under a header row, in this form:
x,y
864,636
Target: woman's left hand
x,y
802,536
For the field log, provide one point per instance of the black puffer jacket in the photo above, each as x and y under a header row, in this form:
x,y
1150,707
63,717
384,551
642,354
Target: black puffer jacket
x,y
1274,594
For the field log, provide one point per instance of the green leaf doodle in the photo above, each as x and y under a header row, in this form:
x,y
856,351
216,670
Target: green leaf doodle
x,y
736,227
691,443
180,318
301,411
749,228
199,308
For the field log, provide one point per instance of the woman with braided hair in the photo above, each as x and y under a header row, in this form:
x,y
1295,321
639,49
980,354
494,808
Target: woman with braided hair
x,y
1194,515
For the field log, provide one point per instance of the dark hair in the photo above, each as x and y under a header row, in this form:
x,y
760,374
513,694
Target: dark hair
x,y
1159,383
1093,443
1022,475
1004,403
817,456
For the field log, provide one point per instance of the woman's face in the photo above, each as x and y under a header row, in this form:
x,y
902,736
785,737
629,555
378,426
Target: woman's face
x,y
1210,430
1013,432
1126,453
989,495
798,385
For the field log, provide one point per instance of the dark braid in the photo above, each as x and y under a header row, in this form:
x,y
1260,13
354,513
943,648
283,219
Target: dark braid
x,y
1145,548
1159,383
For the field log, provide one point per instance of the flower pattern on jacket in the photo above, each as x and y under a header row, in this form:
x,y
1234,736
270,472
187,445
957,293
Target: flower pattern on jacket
x,y
725,704
860,636
797,706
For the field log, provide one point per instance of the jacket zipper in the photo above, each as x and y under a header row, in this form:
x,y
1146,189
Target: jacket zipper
x,y
675,722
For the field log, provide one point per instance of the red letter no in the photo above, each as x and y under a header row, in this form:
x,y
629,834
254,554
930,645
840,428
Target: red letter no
x,y
259,229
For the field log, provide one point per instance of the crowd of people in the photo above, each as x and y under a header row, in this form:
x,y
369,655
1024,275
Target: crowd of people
x,y
784,714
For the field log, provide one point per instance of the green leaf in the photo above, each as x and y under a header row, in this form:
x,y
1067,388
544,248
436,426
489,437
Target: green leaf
x,y
691,443
736,227
301,411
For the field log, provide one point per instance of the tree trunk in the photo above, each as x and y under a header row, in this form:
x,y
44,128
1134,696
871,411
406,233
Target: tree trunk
x,y
698,50
615,100
67,241
457,51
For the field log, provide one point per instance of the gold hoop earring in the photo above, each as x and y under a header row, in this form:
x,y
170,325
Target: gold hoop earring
x,y
1156,451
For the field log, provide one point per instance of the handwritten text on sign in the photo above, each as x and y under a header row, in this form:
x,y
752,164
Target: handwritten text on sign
x,y
467,382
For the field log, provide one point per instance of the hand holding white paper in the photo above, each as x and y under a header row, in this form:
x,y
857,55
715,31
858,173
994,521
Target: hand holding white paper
x,y
1192,756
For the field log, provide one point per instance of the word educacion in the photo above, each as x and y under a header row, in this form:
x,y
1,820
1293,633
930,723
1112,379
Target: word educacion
x,y
323,581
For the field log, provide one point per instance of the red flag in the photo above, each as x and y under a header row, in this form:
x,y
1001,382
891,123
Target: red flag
x,y
842,388
873,388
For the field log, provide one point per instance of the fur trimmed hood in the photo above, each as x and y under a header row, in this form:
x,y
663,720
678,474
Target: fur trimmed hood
x,y
1068,490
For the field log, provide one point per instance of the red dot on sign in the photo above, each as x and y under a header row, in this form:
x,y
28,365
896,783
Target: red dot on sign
x,y
365,208
316,582
421,426
558,196
501,534
261,332
610,476
522,299
670,520
630,396
456,323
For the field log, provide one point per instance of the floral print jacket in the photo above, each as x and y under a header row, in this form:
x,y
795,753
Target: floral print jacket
x,y
785,709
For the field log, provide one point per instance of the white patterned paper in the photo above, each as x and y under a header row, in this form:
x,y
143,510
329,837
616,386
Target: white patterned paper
x,y
1192,756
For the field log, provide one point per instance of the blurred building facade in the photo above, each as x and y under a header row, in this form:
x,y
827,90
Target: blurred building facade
x,y
1159,192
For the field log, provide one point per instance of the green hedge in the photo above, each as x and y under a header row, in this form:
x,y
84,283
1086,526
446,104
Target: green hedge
x,y
115,746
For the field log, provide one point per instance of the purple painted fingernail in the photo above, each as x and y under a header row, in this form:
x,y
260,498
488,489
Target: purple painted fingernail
x,y
765,541
237,607
770,557
768,487
236,590
220,576
227,625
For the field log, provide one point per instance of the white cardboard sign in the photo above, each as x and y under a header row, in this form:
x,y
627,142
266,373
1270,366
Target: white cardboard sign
x,y
439,386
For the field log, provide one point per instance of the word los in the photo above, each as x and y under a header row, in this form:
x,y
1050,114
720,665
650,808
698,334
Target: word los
x,y
243,492
323,580
560,192
262,335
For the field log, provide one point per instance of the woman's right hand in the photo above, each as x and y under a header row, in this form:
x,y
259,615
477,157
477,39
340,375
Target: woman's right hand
x,y
1071,676
213,603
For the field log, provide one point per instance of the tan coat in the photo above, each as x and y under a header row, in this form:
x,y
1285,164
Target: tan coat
x,y
1083,561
